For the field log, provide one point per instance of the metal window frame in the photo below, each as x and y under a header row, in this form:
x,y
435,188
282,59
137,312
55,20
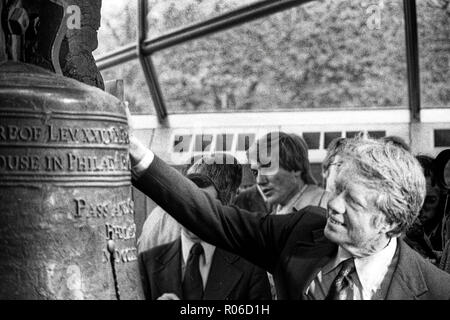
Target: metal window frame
x,y
146,47
216,24
147,64
220,23
412,59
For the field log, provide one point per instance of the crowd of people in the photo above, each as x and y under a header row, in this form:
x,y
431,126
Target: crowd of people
x,y
373,229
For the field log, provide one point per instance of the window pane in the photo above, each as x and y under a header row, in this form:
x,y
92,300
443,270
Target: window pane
x,y
329,136
245,140
182,143
442,138
223,142
433,19
203,142
135,87
447,174
377,134
316,170
325,54
118,25
168,15
351,134
312,139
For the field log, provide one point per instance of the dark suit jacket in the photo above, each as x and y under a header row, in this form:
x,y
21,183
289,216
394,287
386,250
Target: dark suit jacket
x,y
251,200
230,277
292,247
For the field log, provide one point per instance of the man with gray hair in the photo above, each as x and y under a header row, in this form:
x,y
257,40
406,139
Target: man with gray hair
x,y
353,250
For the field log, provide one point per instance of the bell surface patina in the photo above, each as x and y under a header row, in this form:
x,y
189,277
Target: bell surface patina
x,y
67,226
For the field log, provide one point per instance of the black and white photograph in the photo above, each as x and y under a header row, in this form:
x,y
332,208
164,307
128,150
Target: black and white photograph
x,y
226,155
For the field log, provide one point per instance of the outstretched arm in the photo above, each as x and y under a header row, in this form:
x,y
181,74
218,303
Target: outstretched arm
x,y
256,238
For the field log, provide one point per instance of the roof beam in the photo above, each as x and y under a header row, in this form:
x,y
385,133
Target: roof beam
x,y
412,59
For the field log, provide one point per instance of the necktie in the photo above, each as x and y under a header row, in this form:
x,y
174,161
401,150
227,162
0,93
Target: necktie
x,y
192,283
342,280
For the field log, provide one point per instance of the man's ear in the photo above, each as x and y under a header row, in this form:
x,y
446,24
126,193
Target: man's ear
x,y
387,227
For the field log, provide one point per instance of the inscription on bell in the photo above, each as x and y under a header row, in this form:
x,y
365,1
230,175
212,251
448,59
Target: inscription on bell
x,y
20,134
126,232
86,209
60,134
121,255
20,163
117,161
91,135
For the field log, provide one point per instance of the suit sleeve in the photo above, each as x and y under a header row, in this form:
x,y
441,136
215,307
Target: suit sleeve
x,y
259,286
253,236
144,277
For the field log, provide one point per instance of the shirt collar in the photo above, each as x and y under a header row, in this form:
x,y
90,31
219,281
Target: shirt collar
x,y
371,269
341,256
186,245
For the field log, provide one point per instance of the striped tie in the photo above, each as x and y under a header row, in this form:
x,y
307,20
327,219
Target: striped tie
x,y
342,281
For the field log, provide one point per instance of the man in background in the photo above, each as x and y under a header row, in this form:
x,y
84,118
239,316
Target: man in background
x,y
191,269
289,184
225,172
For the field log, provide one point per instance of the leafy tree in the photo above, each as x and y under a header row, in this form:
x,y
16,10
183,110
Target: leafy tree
x,y
434,47
325,54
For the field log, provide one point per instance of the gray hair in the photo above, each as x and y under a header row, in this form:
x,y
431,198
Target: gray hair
x,y
335,147
393,173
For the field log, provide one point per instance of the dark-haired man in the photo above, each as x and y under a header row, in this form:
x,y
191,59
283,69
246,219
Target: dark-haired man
x,y
191,269
282,170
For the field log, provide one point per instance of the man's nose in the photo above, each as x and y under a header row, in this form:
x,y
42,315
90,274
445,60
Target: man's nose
x,y
337,204
261,178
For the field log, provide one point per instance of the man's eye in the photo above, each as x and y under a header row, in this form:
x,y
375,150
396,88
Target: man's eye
x,y
352,201
255,172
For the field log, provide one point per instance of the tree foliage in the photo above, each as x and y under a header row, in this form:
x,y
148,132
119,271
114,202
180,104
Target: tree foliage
x,y
325,54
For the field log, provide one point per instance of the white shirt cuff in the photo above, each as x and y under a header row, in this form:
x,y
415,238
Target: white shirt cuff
x,y
143,165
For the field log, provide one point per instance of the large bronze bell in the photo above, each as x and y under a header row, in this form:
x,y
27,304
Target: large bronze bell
x,y
67,221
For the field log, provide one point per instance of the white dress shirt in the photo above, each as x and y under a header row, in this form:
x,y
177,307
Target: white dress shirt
x,y
205,258
369,282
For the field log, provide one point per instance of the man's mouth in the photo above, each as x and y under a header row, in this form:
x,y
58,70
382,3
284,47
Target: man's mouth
x,y
334,221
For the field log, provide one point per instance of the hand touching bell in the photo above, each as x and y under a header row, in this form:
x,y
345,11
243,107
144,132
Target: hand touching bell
x,y
137,149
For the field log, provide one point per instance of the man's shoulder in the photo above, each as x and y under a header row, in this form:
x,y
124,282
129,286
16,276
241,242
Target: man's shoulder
x,y
306,225
311,215
313,196
157,251
437,280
